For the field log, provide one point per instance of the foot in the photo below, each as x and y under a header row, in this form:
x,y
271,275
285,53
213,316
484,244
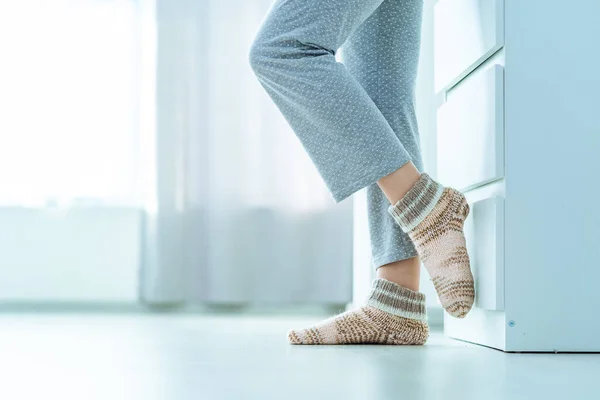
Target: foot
x,y
392,315
433,217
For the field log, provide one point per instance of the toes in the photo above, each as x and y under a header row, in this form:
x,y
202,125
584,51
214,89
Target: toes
x,y
294,338
459,309
305,336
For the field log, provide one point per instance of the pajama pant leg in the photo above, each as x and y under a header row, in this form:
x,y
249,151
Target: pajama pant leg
x,y
382,54
344,133
355,120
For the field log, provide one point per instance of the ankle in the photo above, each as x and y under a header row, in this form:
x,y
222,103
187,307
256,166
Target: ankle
x,y
405,273
399,182
397,300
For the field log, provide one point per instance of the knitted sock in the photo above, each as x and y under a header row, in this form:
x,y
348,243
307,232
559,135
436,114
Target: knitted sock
x,y
392,315
433,217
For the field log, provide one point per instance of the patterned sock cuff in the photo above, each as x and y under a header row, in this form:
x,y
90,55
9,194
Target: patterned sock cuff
x,y
395,299
411,209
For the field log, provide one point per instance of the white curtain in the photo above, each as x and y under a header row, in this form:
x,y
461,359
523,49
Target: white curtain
x,y
69,102
112,106
234,212
72,88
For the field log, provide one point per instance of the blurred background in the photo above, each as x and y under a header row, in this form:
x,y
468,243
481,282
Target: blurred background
x,y
143,166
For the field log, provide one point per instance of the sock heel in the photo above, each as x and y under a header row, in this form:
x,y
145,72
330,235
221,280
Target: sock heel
x,y
464,208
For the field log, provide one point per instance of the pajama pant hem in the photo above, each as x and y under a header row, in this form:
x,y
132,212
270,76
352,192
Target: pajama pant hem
x,y
355,118
369,179
385,259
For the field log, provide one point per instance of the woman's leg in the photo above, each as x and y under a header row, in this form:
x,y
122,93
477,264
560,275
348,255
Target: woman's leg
x,y
352,145
347,137
383,56
293,55
428,219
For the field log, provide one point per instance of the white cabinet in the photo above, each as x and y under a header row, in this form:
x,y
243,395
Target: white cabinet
x,y
484,232
466,33
518,135
471,131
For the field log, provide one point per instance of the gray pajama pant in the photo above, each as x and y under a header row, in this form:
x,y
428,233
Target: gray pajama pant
x,y
355,119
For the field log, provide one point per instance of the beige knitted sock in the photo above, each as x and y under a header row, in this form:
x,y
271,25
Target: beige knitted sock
x,y
392,315
433,216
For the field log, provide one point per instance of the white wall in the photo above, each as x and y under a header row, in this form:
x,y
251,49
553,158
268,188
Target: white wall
x,y
75,255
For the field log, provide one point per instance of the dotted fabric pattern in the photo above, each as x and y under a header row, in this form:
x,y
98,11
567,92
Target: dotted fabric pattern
x,y
355,119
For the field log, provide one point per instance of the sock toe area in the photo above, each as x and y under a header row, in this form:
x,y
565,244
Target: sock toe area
x,y
305,336
293,337
460,309
392,315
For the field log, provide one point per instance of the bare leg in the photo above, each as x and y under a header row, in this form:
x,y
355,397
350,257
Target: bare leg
x,y
395,185
404,272
399,182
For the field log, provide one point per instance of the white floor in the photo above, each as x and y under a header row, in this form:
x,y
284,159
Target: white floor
x,y
176,357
